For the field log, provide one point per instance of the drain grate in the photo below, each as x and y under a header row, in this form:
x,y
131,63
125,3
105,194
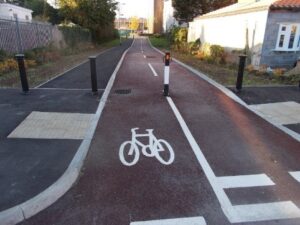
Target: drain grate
x,y
123,91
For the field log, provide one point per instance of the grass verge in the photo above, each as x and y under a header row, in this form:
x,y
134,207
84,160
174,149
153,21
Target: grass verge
x,y
222,73
46,71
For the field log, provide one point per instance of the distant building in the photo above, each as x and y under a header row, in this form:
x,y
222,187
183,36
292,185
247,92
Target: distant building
x,y
168,16
124,24
11,12
158,16
270,29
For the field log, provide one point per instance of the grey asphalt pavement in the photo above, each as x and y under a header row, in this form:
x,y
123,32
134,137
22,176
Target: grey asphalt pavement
x,y
30,165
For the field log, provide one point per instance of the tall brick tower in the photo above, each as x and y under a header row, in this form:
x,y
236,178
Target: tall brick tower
x,y
158,16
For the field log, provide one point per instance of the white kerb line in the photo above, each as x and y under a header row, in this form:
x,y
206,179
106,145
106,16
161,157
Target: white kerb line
x,y
221,195
152,69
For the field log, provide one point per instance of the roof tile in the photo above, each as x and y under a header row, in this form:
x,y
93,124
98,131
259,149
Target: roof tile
x,y
286,4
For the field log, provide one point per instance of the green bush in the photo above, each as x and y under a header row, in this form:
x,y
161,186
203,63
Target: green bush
x,y
194,46
217,53
178,35
74,35
3,55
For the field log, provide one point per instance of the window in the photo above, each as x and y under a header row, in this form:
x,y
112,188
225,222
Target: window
x,y
288,37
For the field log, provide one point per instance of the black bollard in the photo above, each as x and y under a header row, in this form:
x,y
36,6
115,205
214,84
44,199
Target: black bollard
x,y
239,80
93,74
22,70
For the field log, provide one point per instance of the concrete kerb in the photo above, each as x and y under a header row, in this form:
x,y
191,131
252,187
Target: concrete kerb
x,y
46,198
234,97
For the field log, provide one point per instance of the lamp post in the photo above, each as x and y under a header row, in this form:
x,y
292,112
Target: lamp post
x,y
119,12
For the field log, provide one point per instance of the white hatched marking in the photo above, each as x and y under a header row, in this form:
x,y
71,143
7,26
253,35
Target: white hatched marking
x,y
296,175
152,69
237,213
264,211
178,221
245,181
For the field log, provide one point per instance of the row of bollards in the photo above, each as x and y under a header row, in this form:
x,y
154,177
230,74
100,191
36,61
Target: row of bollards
x,y
24,81
167,59
239,81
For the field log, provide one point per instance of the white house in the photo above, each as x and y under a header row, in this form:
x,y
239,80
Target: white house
x,y
11,12
269,28
168,16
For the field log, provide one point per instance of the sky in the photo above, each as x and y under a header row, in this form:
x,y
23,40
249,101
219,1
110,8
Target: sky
x,y
139,8
129,8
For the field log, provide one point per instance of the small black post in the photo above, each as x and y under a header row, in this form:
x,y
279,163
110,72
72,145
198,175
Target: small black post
x,y
239,80
22,70
93,74
167,59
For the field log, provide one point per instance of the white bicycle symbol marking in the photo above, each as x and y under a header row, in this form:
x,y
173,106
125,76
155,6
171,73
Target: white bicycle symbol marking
x,y
129,152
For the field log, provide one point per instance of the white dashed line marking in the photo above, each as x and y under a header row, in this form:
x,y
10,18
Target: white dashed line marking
x,y
295,175
152,69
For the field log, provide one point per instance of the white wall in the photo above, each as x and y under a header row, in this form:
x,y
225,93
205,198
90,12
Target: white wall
x,y
7,11
230,31
168,19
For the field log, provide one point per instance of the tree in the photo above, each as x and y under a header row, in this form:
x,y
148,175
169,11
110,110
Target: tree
x,y
97,15
134,23
187,10
41,9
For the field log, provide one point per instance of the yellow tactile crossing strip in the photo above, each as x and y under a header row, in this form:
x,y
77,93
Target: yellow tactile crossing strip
x,y
52,125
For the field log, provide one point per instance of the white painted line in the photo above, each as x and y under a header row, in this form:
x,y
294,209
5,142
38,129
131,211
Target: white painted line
x,y
295,175
239,213
178,221
145,57
221,195
153,71
231,95
264,212
46,198
245,181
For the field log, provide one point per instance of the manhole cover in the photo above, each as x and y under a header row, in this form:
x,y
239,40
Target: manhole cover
x,y
123,91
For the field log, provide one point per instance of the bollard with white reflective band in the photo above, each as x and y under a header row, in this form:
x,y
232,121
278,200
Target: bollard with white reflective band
x,y
167,59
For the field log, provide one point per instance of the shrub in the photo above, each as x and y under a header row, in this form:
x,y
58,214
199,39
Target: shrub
x,y
279,71
178,35
3,55
8,65
194,46
217,53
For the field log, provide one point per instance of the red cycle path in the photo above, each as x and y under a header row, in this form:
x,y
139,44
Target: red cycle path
x,y
233,140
